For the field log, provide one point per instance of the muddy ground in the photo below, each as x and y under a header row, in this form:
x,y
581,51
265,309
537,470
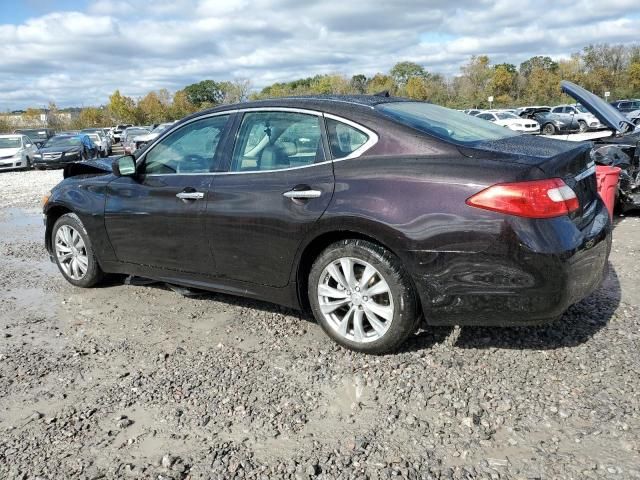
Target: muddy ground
x,y
141,382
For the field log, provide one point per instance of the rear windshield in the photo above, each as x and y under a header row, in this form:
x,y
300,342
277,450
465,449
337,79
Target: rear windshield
x,y
444,123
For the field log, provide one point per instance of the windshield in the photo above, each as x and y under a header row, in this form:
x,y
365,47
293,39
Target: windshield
x,y
63,142
581,109
444,123
160,128
10,142
33,134
506,116
95,137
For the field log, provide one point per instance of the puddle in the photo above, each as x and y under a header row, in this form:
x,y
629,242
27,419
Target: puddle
x,y
21,224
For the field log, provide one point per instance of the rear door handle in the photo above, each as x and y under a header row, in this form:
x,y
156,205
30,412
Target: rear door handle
x,y
302,194
190,195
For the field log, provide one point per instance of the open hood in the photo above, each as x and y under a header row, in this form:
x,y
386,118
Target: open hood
x,y
91,167
607,114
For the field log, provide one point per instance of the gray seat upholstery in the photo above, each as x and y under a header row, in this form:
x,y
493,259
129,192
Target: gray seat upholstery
x,y
273,158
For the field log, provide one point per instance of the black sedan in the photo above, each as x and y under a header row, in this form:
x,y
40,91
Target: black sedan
x,y
61,150
373,212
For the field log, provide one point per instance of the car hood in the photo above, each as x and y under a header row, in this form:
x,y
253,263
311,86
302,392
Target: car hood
x,y
90,167
8,152
607,114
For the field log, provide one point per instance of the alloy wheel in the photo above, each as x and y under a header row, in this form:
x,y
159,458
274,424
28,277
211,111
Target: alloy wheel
x,y
71,252
355,300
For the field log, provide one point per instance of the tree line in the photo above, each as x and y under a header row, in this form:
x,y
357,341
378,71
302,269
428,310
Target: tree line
x,y
536,81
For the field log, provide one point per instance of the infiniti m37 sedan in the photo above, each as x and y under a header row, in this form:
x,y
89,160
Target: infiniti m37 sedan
x,y
375,213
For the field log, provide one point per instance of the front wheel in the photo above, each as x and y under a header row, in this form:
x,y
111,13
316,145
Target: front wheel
x,y
549,129
74,253
362,297
583,126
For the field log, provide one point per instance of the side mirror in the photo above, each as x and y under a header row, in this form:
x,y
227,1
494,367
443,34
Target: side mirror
x,y
124,166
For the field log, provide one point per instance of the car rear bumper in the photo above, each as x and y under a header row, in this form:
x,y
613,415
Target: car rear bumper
x,y
543,268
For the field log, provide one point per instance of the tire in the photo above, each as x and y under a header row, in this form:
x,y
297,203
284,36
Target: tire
x,y
62,240
396,308
583,126
636,121
549,129
28,166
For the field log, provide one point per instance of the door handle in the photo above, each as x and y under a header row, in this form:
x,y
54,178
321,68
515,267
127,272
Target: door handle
x,y
302,194
190,195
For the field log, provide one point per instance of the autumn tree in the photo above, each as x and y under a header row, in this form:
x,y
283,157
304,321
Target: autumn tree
x,y
121,107
358,83
380,83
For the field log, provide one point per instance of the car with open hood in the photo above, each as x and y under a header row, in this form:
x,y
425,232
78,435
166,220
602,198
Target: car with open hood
x,y
550,123
620,149
372,212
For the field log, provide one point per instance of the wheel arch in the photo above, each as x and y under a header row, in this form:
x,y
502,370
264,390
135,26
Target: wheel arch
x,y
53,213
322,240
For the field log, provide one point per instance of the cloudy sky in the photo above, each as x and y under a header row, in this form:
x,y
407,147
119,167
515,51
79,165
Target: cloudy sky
x,y
76,52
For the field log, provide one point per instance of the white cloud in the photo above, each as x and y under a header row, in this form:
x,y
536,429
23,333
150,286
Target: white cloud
x,y
77,58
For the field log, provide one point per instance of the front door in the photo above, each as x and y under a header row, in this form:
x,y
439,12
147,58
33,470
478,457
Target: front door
x,y
157,217
278,185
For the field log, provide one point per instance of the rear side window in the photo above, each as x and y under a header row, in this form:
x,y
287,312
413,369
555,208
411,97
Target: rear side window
x,y
444,123
275,140
344,139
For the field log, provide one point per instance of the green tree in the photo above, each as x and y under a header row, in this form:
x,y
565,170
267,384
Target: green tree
x,y
206,93
401,72
538,62
359,83
121,108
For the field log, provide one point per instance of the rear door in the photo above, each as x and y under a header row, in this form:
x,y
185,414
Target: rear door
x,y
277,185
157,218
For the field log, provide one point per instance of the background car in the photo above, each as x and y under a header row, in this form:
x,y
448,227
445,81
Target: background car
x,y
117,132
509,120
61,150
129,138
142,140
16,151
626,106
634,116
370,211
550,123
100,143
37,135
586,120
104,137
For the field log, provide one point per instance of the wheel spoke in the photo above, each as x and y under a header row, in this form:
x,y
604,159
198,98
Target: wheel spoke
x,y
378,288
358,328
347,270
382,311
334,271
63,257
83,264
62,248
343,326
366,277
375,323
329,307
330,292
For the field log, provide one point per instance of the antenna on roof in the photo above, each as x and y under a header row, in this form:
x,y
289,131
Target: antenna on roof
x,y
384,93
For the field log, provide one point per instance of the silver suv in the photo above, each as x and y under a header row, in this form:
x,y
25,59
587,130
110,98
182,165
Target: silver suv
x,y
586,120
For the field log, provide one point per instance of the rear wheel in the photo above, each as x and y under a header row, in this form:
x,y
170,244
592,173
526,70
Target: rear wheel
x,y
549,129
362,296
74,252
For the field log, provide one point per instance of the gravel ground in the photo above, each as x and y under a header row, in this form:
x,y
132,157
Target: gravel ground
x,y
141,382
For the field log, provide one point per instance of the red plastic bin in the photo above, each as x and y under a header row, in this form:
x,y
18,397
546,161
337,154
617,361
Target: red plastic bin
x,y
607,178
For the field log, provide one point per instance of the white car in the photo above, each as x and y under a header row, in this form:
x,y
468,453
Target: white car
x,y
142,139
586,119
634,116
509,120
100,142
16,151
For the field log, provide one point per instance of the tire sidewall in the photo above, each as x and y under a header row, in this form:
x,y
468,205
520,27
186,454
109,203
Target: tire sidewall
x,y
583,126
404,299
94,273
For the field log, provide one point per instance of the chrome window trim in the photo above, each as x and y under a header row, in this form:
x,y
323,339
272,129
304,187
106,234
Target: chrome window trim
x,y
373,139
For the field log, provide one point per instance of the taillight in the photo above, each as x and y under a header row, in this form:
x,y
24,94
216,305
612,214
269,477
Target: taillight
x,y
537,199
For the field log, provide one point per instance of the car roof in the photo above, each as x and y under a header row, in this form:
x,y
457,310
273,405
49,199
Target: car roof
x,y
10,135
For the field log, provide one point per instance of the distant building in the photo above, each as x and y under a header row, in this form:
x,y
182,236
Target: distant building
x,y
44,117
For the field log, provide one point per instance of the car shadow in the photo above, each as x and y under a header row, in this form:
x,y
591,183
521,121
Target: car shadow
x,y
578,324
